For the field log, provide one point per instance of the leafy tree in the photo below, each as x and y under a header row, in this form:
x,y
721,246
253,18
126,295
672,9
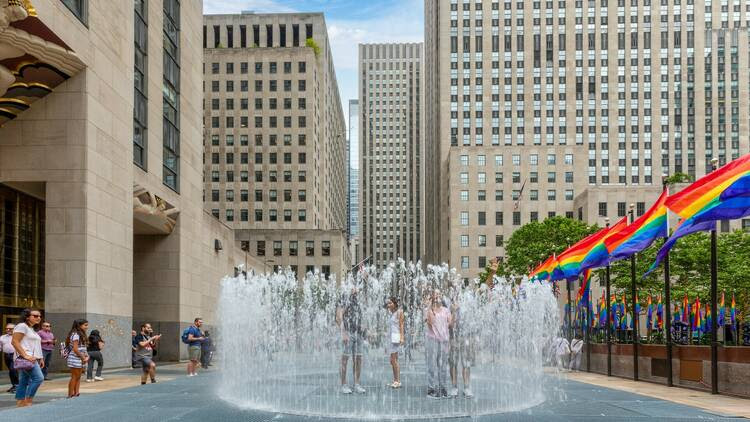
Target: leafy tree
x,y
536,241
678,178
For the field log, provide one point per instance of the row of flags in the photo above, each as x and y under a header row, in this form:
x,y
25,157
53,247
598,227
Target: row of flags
x,y
694,314
723,194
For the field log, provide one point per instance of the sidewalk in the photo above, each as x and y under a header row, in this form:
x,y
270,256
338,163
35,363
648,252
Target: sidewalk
x,y
719,404
114,379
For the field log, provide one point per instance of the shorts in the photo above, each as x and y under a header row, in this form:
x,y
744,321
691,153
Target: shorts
x,y
145,362
463,352
394,348
194,352
354,346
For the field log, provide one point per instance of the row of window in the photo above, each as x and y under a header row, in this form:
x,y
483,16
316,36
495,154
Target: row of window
x,y
273,104
481,240
533,195
273,195
258,66
273,86
293,248
273,215
259,36
500,217
272,140
273,122
273,176
273,158
481,159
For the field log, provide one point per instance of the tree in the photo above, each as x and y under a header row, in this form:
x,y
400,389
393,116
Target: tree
x,y
536,241
678,178
312,44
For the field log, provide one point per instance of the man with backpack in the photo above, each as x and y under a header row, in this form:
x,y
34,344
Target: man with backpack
x,y
193,337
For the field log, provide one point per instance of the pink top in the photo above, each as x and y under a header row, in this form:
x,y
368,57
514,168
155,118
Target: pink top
x,y
48,339
440,321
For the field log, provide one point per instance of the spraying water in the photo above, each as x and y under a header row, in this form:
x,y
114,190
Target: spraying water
x,y
281,344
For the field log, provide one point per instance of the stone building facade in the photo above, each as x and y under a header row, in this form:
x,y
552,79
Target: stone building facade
x,y
391,146
275,135
529,104
109,153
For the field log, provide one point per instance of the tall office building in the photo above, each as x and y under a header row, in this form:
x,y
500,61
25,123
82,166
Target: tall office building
x,y
576,108
354,180
391,150
275,139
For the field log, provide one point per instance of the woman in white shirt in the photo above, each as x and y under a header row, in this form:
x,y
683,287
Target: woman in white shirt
x,y
28,346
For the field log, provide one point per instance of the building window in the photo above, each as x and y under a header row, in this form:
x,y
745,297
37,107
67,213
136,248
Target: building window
x,y
140,106
325,248
640,208
260,249
482,241
171,94
499,240
292,248
230,215
602,209
621,209
464,218
482,218
276,248
464,239
516,218
309,248
464,262
80,8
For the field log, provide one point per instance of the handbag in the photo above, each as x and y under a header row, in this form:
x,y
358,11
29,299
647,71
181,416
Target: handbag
x,y
21,364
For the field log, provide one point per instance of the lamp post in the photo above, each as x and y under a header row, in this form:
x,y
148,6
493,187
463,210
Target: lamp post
x,y
668,301
609,318
714,283
633,304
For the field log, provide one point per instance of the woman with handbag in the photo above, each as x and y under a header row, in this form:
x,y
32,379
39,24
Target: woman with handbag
x,y
29,359
78,357
395,338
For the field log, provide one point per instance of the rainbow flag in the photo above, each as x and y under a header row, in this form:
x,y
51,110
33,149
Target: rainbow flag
x,y
677,314
598,255
659,314
649,313
733,314
685,309
603,311
544,270
697,315
569,262
722,311
707,321
583,292
624,309
641,233
723,194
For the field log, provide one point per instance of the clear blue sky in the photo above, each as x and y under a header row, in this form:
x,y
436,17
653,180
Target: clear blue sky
x,y
350,22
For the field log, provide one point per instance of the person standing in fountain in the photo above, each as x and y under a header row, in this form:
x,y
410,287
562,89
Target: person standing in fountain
x,y
349,321
462,349
437,346
395,338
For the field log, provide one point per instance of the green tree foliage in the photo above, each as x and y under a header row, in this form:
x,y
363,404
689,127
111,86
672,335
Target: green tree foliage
x,y
536,241
690,269
678,178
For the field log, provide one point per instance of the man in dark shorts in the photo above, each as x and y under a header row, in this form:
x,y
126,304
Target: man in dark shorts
x,y
349,321
144,352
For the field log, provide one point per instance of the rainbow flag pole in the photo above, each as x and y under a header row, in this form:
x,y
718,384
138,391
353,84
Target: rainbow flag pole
x,y
667,294
608,327
634,295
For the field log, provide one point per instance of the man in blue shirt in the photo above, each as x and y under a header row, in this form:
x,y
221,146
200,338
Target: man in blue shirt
x,y
195,339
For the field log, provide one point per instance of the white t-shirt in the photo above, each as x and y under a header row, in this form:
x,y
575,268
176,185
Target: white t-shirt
x,y
31,342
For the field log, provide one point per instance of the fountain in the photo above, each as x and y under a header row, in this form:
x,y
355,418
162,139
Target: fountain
x,y
280,346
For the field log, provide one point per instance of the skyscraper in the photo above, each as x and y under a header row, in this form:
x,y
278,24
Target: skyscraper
x,y
391,150
354,179
275,139
541,108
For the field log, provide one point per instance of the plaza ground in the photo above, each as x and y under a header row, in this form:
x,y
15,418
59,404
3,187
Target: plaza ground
x,y
177,397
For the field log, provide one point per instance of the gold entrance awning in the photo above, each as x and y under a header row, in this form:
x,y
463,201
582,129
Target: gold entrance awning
x,y
33,60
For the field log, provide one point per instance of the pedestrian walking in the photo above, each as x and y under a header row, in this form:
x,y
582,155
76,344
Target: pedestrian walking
x,y
146,342
193,337
395,338
437,346
48,346
95,355
133,348
8,352
76,346
28,359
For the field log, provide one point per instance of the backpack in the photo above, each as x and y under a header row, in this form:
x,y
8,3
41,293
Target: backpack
x,y
186,335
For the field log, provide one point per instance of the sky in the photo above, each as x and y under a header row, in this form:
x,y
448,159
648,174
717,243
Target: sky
x,y
349,22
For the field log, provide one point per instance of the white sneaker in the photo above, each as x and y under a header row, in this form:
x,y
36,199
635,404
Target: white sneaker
x,y
467,393
358,389
345,389
98,378
453,392
89,380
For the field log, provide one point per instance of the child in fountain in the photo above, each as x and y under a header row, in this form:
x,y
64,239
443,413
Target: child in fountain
x,y
349,321
437,346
